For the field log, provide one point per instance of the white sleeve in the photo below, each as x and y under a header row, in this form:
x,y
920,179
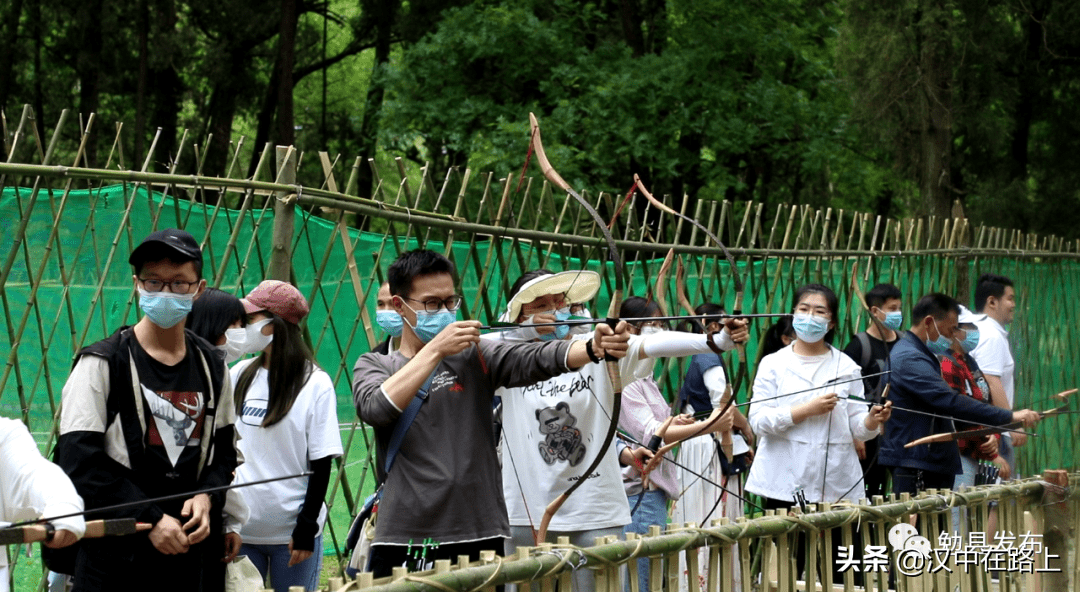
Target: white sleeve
x,y
716,381
857,410
324,434
33,487
235,512
675,344
992,354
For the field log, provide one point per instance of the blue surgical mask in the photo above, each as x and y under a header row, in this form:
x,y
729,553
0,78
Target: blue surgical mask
x,y
165,309
430,324
971,340
940,345
809,328
893,320
390,322
561,331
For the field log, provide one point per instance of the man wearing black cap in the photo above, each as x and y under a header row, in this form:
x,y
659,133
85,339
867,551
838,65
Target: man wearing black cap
x,y
148,412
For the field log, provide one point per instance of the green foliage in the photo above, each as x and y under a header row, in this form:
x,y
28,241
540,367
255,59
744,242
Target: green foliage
x,y
737,100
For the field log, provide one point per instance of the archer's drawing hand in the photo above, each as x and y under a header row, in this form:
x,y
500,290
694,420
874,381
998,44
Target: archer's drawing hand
x,y
544,318
738,330
990,446
456,338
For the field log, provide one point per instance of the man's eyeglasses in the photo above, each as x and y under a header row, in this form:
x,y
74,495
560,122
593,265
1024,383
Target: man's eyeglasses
x,y
435,305
175,286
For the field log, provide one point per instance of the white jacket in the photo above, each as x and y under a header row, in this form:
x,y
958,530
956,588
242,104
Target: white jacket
x,y
791,456
32,487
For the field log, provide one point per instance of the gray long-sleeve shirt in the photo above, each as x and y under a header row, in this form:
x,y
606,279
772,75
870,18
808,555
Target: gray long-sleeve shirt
x,y
446,482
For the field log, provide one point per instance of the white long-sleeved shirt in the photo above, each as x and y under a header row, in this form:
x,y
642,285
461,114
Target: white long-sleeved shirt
x,y
32,487
817,454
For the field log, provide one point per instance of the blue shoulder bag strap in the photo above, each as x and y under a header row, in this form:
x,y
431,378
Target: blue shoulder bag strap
x,y
406,420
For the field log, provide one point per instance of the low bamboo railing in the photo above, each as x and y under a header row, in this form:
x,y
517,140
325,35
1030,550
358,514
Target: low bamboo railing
x,y
1047,507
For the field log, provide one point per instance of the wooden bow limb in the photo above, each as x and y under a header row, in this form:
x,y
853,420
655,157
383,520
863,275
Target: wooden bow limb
x,y
1009,427
611,363
38,533
735,278
661,282
857,289
726,443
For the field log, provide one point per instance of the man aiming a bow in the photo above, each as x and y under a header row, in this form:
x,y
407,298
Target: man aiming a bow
x,y
148,412
443,494
917,384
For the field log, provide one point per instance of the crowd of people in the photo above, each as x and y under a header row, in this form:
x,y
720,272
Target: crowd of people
x,y
476,433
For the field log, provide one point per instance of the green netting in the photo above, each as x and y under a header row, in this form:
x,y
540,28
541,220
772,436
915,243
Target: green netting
x,y
85,291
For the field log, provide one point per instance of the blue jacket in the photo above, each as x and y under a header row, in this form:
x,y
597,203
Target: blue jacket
x,y
917,384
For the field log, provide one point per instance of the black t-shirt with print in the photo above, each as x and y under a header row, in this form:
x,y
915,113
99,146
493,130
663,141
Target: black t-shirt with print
x,y
175,410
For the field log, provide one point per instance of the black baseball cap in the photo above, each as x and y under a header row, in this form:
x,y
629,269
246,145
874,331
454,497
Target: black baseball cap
x,y
170,243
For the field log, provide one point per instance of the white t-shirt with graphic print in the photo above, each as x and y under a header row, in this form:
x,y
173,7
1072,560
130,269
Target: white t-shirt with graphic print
x,y
308,432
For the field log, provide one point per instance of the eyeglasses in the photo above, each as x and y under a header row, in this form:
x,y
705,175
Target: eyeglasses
x,y
817,311
175,286
435,305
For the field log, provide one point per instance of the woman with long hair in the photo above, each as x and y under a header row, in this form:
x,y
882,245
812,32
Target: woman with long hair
x,y
287,423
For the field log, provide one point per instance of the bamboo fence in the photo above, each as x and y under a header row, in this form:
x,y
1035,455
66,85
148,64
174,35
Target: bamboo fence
x,y
67,229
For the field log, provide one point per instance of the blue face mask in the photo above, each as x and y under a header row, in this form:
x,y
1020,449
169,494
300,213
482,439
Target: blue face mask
x,y
971,340
165,309
390,322
562,330
430,324
893,320
939,345
808,328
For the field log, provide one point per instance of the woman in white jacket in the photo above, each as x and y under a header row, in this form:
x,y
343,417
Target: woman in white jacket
x,y
805,450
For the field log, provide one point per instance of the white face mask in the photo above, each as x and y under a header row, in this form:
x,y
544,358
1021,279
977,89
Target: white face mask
x,y
581,329
650,330
235,344
256,341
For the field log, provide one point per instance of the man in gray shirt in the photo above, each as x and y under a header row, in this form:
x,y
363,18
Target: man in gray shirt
x,y
443,495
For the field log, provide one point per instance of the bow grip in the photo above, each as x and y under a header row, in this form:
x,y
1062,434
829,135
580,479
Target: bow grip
x,y
613,322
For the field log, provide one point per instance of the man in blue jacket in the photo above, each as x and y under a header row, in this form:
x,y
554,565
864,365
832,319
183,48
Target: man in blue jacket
x,y
917,384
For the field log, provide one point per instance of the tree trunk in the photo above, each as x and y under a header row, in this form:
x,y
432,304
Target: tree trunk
x,y
9,37
88,63
384,15
143,20
168,89
286,134
266,117
935,110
